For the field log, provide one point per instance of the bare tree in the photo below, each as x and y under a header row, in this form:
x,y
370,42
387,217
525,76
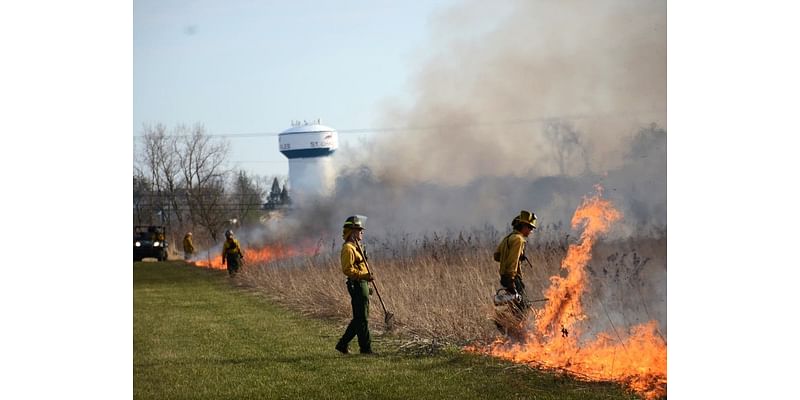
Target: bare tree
x,y
567,145
202,167
208,207
158,167
182,176
142,195
648,141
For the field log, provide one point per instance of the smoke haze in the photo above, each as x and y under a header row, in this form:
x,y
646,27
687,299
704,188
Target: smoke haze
x,y
530,113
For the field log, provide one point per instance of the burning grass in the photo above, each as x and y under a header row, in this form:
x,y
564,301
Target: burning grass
x,y
195,337
605,318
555,336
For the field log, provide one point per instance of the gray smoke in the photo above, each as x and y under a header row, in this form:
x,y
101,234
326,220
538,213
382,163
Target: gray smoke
x,y
554,98
554,89
531,113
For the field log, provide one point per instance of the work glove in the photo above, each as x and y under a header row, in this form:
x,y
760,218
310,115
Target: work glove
x,y
523,258
370,278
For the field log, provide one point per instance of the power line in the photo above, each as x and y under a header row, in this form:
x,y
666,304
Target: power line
x,y
259,161
512,122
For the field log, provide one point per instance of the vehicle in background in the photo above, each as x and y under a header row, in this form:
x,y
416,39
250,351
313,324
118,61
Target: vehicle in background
x,y
149,241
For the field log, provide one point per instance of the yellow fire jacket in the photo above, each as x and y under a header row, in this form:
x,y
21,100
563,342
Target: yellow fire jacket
x,y
353,264
510,249
231,247
188,247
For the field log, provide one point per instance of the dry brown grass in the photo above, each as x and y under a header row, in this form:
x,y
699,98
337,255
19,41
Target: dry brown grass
x,y
441,287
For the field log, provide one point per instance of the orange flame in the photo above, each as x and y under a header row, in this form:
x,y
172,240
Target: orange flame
x,y
564,306
638,360
265,254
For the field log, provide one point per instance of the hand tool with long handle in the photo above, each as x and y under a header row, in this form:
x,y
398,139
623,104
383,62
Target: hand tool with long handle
x,y
388,317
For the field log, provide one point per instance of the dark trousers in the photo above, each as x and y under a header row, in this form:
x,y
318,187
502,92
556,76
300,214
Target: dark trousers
x,y
516,286
234,262
359,300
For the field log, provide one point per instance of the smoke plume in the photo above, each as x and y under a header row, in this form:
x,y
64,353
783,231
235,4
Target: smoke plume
x,y
530,113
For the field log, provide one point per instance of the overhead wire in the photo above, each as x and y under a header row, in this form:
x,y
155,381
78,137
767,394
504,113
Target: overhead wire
x,y
518,121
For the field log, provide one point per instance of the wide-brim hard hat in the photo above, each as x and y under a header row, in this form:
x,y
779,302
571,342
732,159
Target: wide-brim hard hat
x,y
527,217
354,222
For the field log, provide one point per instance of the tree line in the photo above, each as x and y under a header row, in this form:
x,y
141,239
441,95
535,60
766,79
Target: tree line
x,y
181,179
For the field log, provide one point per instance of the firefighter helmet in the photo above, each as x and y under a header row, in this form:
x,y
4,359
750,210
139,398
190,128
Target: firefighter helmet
x,y
354,222
228,233
527,218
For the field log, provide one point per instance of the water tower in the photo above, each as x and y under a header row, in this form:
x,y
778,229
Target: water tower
x,y
309,146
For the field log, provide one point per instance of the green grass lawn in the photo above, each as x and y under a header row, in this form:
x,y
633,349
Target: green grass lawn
x,y
197,336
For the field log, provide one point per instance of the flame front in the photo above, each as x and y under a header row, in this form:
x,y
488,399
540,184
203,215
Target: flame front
x,y
637,359
261,255
563,308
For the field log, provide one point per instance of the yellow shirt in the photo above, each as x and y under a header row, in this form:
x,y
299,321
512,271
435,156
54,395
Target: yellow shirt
x,y
510,249
187,244
231,247
353,264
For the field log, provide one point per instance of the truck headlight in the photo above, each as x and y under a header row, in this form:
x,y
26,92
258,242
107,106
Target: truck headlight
x,y
156,244
137,244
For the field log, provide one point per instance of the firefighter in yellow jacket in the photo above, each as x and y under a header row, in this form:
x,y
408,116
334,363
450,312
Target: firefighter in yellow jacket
x,y
358,278
232,253
511,253
188,247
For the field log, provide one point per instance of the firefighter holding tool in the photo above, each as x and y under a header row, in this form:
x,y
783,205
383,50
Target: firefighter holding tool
x,y
358,277
510,253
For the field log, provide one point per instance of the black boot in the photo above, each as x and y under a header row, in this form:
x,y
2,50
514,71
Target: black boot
x,y
342,348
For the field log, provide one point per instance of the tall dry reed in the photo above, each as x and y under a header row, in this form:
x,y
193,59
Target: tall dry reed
x,y
441,285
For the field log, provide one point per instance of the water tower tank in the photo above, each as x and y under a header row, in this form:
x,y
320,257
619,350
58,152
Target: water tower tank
x,y
309,147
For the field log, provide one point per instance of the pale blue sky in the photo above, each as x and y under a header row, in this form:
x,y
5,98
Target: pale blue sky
x,y
253,66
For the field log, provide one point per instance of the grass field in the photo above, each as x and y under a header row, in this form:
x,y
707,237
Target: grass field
x,y
198,336
442,287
